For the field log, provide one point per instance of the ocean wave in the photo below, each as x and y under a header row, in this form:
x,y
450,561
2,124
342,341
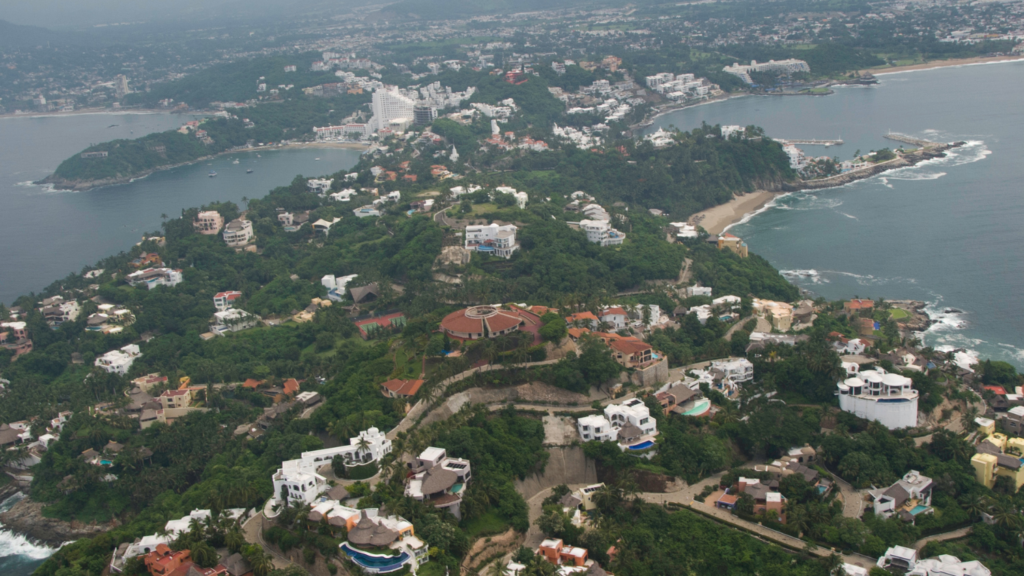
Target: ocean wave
x,y
972,151
773,203
885,182
912,176
12,544
850,216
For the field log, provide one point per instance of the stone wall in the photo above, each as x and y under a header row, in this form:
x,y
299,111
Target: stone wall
x,y
567,465
654,374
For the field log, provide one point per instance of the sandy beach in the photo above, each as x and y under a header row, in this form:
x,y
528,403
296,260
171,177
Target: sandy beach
x,y
942,64
716,219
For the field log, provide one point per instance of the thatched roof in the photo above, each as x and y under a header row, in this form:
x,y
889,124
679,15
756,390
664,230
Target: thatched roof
x,y
370,533
438,479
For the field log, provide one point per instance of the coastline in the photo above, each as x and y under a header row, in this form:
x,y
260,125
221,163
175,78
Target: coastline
x,y
82,186
719,219
942,64
97,111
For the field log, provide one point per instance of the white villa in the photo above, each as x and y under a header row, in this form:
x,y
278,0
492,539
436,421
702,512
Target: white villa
x,y
171,531
343,196
601,232
153,277
629,424
736,370
238,233
319,186
880,396
119,361
496,239
232,320
439,480
906,498
369,446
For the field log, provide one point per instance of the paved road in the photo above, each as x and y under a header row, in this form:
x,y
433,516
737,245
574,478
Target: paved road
x,y
954,535
252,530
737,326
853,500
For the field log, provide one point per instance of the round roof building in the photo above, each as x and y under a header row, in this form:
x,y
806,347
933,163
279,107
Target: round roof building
x,y
480,322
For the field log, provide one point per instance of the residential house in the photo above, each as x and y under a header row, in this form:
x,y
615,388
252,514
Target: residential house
x,y
224,300
367,293
369,446
146,259
734,243
56,311
766,500
152,277
496,239
481,322
1013,420
600,232
298,481
292,222
233,320
998,455
631,352
438,479
629,423
336,286
780,314
163,561
736,370
208,222
906,498
397,388
238,233
319,186
585,319
343,196
878,395
855,306
119,361
322,226
14,337
679,398
846,346
554,551
615,317
692,291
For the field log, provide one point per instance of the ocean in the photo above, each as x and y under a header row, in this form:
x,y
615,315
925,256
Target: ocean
x,y
48,234
18,555
947,232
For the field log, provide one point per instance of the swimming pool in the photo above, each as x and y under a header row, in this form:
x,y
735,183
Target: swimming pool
x,y
700,408
375,563
643,445
917,510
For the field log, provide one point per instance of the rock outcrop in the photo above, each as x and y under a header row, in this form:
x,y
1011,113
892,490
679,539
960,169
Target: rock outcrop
x,y
26,517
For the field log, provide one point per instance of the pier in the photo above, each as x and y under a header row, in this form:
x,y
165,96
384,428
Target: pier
x,y
910,140
812,142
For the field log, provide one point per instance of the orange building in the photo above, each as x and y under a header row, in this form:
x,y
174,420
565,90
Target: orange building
x,y
557,553
163,561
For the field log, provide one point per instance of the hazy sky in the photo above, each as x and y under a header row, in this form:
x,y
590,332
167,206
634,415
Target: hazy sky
x,y
86,13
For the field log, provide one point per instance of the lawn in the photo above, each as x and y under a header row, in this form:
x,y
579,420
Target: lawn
x,y
485,525
898,314
484,208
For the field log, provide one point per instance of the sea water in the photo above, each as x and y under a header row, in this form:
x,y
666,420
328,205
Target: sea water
x,y
47,234
947,232
18,555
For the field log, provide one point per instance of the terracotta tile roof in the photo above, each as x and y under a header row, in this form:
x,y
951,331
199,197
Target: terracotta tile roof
x,y
629,346
859,304
613,310
471,321
251,383
403,387
575,333
587,315
291,386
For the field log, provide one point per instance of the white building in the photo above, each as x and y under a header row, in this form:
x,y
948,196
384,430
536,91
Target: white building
x,y
601,232
298,482
439,480
637,314
172,529
496,239
880,396
390,106
232,320
729,130
632,418
785,66
153,277
692,291
369,446
615,316
223,300
521,197
119,361
736,370
911,494
319,186
336,286
684,231
238,233
322,226
343,196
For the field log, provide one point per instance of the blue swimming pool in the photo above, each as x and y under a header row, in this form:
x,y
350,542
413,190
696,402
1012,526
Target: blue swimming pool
x,y
373,562
643,445
917,510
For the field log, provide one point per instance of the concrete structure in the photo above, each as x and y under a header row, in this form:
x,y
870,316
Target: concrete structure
x,y
601,232
906,498
152,277
998,455
880,396
390,107
208,222
319,186
298,481
692,291
224,300
439,480
481,322
554,551
238,233
788,66
119,361
736,370
499,240
232,320
780,314
630,424
369,446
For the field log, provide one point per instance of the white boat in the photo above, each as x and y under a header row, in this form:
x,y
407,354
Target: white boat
x,y
236,161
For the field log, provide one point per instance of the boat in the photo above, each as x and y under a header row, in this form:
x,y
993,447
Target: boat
x,y
212,173
315,158
248,171
236,161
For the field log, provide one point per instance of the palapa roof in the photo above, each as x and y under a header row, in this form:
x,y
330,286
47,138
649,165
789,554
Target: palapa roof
x,y
236,564
8,435
337,493
630,431
361,293
369,533
437,479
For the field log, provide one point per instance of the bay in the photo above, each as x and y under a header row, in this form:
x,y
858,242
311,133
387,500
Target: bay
x,y
48,234
947,232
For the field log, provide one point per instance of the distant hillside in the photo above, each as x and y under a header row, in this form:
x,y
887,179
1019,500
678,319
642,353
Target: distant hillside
x,y
18,36
443,9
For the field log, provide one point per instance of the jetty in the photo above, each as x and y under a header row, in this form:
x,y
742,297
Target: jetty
x,y
910,140
811,141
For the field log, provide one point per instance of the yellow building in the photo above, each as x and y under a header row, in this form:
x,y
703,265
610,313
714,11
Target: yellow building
x,y
733,243
999,456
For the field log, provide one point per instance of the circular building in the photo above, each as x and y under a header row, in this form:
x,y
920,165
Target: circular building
x,y
480,322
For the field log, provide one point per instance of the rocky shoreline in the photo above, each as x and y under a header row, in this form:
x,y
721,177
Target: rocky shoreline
x,y
59,183
26,517
911,158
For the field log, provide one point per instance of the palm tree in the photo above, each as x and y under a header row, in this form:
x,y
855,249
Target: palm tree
x,y
1005,515
234,539
261,562
974,506
204,554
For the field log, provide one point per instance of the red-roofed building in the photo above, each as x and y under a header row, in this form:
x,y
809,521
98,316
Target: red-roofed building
x,y
481,322
615,316
224,300
631,353
291,387
585,319
252,383
999,390
400,388
163,561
